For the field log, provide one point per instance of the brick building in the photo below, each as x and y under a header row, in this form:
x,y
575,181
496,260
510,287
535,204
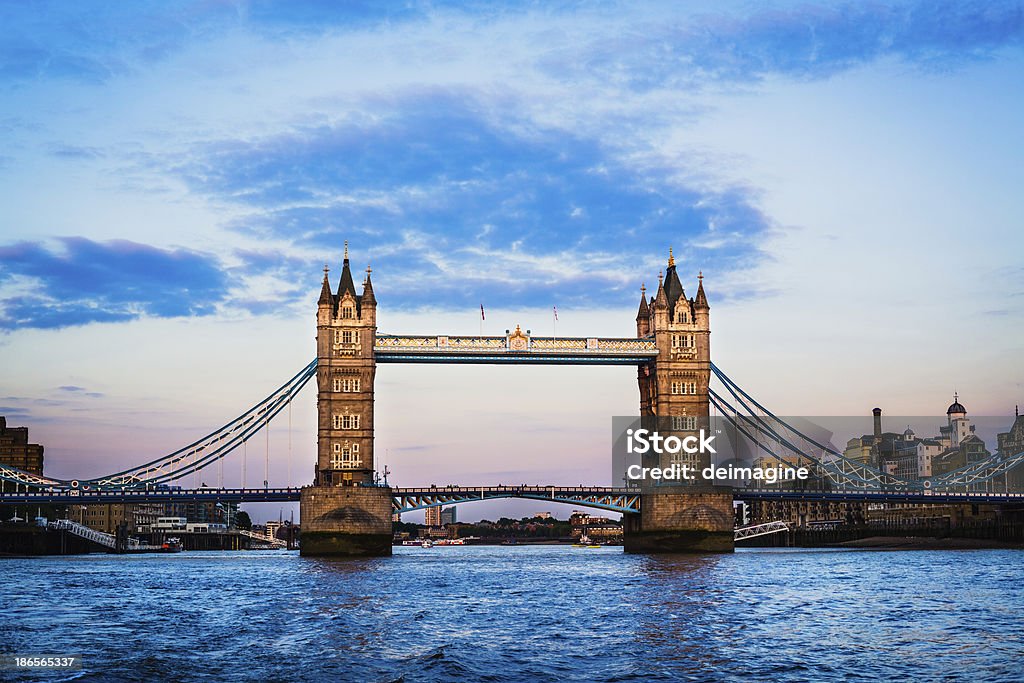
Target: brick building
x,y
16,451
106,518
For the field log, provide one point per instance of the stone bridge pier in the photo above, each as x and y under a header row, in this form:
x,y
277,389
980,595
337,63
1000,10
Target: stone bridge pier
x,y
680,519
346,521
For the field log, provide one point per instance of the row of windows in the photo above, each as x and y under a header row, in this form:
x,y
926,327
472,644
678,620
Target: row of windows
x,y
684,388
683,316
346,384
683,341
684,458
345,456
685,423
346,422
344,337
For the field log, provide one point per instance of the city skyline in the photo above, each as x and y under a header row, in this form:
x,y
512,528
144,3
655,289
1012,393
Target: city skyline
x,y
844,215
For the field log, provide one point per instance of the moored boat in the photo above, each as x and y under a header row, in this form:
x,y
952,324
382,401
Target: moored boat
x,y
172,545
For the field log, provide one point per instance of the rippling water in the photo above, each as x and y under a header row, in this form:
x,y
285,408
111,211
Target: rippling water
x,y
522,613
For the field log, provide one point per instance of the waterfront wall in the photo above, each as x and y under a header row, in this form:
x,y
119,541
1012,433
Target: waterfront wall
x,y
996,531
27,539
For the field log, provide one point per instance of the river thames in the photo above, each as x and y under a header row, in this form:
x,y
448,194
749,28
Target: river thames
x,y
548,613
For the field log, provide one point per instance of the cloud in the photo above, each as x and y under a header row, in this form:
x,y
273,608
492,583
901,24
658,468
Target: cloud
x,y
54,40
807,41
487,187
76,152
15,412
656,45
451,206
86,281
79,391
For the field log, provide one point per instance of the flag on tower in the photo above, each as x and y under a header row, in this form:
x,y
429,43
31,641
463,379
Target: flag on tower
x,y
555,309
482,312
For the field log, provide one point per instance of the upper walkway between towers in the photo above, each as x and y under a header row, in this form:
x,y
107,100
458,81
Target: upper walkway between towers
x,y
515,347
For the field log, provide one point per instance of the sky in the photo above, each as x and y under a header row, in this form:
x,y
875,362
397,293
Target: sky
x,y
173,176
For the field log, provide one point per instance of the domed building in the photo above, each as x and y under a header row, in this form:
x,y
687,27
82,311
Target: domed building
x,y
958,427
956,408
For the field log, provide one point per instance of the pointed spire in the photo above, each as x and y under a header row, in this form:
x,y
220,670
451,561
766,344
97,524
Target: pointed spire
x,y
325,290
660,299
673,287
368,298
701,300
345,284
644,311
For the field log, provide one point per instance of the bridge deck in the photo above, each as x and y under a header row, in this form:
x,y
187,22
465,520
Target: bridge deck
x,y
603,497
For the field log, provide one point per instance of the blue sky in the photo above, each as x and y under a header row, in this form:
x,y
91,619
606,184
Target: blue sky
x,y
174,175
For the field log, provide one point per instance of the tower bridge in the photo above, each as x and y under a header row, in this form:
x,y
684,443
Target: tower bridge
x,y
346,510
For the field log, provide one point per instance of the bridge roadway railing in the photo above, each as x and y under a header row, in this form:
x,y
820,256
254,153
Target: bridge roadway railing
x,y
59,496
756,530
98,537
275,542
104,539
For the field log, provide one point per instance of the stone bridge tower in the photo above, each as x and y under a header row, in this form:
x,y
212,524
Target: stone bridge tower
x,y
674,517
344,512
675,385
346,329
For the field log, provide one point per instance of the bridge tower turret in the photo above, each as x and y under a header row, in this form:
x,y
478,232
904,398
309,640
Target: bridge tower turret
x,y
346,333
345,512
643,315
696,515
675,384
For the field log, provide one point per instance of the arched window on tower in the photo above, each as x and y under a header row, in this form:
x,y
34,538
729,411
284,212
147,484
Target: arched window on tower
x,y
348,312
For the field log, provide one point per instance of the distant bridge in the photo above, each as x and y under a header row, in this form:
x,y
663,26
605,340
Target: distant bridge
x,y
599,497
